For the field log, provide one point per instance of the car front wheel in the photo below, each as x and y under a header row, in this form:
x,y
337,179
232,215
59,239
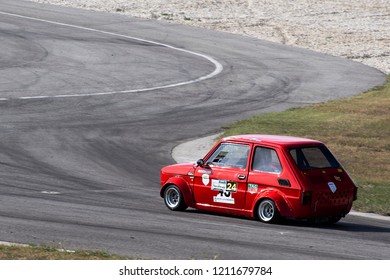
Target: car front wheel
x,y
267,211
173,198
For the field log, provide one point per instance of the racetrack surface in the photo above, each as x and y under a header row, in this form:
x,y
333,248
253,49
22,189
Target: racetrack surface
x,y
91,105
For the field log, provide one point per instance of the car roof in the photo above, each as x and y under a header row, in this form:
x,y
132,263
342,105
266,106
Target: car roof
x,y
279,140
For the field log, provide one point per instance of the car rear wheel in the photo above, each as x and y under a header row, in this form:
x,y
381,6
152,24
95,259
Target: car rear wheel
x,y
333,220
173,198
267,211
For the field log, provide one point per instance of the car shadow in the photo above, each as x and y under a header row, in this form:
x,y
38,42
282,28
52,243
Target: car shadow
x,y
346,226
340,226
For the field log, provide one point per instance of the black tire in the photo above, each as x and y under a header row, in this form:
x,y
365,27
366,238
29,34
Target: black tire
x,y
174,199
267,212
333,220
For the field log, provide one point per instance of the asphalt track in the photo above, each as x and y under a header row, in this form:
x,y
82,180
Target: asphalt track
x,y
91,105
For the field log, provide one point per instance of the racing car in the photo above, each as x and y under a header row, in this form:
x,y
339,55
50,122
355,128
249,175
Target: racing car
x,y
268,177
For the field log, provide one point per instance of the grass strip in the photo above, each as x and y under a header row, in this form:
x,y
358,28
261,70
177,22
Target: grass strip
x,y
16,252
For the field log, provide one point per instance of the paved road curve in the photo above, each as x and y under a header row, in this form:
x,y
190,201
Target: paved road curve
x,y
82,140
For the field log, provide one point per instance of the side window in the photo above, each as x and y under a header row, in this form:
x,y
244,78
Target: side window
x,y
230,155
266,160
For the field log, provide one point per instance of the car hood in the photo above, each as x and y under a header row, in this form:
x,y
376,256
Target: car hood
x,y
178,169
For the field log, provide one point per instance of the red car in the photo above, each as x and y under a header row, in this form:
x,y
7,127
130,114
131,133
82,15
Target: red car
x,y
263,176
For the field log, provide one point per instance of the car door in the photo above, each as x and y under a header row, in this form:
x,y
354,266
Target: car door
x,y
222,181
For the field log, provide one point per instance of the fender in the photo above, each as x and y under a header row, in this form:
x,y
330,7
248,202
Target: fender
x,y
184,187
281,203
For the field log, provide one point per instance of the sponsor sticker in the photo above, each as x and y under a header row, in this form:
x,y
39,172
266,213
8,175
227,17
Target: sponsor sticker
x,y
224,197
252,188
332,187
205,179
218,185
223,185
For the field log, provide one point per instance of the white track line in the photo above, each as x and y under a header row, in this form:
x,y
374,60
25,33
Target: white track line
x,y
218,66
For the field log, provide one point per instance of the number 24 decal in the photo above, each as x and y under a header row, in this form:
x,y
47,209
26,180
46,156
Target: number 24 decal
x,y
231,186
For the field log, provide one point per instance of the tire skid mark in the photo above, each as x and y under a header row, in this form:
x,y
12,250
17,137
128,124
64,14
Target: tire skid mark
x,y
218,66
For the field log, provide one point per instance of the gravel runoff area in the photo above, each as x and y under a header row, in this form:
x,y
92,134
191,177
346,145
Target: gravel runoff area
x,y
355,29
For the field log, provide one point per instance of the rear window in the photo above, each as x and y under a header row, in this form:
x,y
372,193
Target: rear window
x,y
313,158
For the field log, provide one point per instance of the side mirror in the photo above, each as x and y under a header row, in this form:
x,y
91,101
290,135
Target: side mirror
x,y
200,162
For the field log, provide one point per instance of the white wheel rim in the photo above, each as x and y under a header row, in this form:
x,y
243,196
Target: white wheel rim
x,y
266,211
172,198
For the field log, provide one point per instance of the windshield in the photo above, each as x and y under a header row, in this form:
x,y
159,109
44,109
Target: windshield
x,y
313,158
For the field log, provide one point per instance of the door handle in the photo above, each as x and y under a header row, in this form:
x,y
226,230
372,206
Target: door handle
x,y
241,177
